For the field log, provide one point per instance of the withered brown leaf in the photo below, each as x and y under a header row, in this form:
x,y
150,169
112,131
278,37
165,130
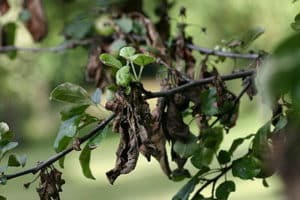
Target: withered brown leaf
x,y
4,7
37,24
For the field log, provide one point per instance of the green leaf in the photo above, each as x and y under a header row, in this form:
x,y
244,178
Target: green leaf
x,y
185,150
7,146
180,174
142,59
97,139
282,122
251,36
260,141
127,52
117,45
123,76
96,97
296,25
79,27
212,138
2,197
110,60
186,190
224,189
223,157
3,128
73,111
246,167
202,157
125,24
237,142
208,102
70,93
67,131
16,160
24,15
8,38
84,158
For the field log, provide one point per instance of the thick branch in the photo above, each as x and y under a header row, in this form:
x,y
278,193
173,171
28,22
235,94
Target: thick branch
x,y
221,53
67,45
56,157
193,83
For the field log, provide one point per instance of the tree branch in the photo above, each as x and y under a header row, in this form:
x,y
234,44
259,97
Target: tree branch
x,y
221,53
148,95
59,155
193,83
62,47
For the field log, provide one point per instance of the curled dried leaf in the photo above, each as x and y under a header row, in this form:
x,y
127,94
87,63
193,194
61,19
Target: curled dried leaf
x,y
37,24
4,7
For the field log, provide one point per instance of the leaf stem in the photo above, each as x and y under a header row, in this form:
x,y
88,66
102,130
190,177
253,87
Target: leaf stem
x,y
134,72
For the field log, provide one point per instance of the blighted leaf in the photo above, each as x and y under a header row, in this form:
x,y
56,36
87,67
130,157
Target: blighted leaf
x,y
208,102
223,157
6,146
110,60
84,158
123,76
67,131
79,27
142,59
185,150
224,189
260,141
15,160
125,24
4,7
96,97
127,52
70,93
8,38
97,139
186,190
246,167
37,24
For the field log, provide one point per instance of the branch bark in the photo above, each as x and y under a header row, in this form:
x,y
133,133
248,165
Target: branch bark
x,y
67,45
221,53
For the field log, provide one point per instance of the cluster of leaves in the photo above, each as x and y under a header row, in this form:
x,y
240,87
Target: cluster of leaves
x,y
7,144
83,114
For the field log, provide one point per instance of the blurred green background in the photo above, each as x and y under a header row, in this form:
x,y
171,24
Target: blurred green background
x,y
25,84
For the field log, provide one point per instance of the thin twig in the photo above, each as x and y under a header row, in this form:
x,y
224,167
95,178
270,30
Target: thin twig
x,y
221,53
213,180
62,47
172,91
59,155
